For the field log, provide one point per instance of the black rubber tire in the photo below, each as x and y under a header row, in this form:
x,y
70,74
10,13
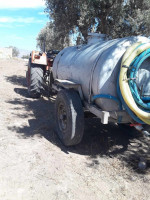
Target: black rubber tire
x,y
34,79
70,101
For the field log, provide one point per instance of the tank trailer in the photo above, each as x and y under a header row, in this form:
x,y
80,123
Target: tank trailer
x,y
110,79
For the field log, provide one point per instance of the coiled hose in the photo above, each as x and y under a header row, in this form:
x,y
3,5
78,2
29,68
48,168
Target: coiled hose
x,y
137,107
131,62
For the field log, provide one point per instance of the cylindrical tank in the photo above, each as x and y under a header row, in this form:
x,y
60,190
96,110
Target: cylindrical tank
x,y
96,66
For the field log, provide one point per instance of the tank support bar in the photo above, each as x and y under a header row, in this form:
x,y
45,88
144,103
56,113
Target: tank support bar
x,y
106,117
103,115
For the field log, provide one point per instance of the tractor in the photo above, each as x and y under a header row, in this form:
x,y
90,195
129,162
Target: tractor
x,y
39,74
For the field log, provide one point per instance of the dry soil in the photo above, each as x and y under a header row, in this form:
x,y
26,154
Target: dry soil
x,y
34,165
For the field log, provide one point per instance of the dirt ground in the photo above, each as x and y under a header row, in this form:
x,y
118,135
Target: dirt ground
x,y
34,165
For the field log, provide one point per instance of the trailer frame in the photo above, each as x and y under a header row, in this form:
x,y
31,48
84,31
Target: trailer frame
x,y
105,116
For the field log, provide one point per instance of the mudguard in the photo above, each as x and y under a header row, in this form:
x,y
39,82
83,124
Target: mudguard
x,y
38,58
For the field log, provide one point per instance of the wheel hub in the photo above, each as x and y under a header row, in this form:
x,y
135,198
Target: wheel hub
x,y
62,117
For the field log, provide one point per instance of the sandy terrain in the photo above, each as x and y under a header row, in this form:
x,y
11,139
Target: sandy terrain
x,y
34,165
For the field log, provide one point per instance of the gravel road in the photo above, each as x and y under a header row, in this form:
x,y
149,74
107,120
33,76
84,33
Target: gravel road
x,y
34,165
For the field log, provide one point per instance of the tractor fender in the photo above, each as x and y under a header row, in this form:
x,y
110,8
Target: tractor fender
x,y
39,58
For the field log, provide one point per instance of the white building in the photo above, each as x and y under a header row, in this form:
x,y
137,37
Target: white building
x,y
5,52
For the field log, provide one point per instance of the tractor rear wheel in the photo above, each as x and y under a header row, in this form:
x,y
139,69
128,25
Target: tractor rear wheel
x,y
34,79
69,117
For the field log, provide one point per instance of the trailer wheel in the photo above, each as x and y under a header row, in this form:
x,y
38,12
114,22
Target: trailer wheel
x,y
34,78
69,117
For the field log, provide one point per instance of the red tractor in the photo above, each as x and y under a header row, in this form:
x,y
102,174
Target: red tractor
x,y
39,74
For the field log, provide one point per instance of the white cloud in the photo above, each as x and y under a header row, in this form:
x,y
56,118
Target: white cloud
x,y
20,25
21,3
27,20
14,37
42,13
6,25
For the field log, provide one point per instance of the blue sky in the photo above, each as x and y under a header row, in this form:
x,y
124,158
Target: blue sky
x,y
20,22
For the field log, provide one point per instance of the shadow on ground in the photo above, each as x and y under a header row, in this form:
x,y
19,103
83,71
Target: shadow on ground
x,y
99,140
16,80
